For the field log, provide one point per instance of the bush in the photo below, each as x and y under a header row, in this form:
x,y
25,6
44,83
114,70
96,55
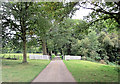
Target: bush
x,y
83,58
111,63
97,58
106,58
90,59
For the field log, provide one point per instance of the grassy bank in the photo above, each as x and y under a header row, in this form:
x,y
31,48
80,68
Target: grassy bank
x,y
85,71
15,71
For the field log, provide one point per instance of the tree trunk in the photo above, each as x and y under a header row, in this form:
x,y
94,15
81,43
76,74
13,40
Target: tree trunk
x,y
44,47
69,49
119,37
24,45
55,52
61,51
24,51
24,40
47,50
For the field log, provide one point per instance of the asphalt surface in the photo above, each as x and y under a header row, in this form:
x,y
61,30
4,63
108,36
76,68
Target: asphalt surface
x,y
56,71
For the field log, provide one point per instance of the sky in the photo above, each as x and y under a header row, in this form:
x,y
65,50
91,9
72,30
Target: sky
x,y
80,13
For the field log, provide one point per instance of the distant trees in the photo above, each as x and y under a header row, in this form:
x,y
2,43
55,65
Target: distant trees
x,y
98,46
66,33
89,46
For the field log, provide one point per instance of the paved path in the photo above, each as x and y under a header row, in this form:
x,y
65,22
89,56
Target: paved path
x,y
56,71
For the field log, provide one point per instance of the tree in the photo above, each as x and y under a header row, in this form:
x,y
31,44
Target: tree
x,y
68,31
49,11
89,46
109,46
59,10
43,25
103,11
108,12
16,17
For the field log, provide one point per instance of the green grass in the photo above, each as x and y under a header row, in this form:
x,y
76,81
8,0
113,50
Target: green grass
x,y
11,55
86,71
15,71
17,54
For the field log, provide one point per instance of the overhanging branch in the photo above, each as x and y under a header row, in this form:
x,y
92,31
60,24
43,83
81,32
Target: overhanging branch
x,y
104,18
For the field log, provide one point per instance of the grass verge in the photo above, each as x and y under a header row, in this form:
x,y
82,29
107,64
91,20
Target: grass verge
x,y
15,71
86,71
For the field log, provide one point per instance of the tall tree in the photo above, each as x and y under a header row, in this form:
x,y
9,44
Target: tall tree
x,y
51,11
43,26
16,17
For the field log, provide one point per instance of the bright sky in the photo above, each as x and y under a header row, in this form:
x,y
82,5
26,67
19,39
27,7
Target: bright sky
x,y
80,13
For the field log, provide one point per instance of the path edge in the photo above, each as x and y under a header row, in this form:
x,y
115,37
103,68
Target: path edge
x,y
39,73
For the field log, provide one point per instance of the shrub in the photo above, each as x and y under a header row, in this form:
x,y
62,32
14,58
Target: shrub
x,y
90,59
83,58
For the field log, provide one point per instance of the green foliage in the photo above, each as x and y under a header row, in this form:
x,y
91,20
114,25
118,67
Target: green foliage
x,y
89,46
108,12
53,56
59,10
68,32
109,46
107,41
98,46
90,59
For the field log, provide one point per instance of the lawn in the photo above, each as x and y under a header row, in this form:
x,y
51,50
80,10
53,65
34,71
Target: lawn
x,y
86,71
20,55
15,71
